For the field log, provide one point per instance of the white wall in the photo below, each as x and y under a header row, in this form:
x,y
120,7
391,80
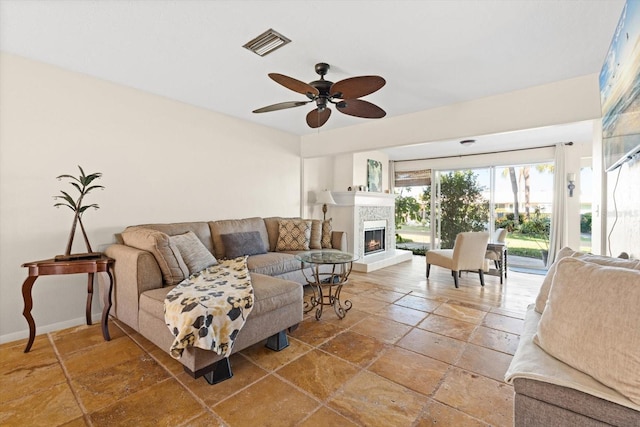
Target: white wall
x,y
317,176
162,161
337,173
623,210
599,202
360,167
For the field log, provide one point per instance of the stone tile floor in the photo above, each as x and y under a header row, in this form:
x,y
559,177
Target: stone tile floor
x,y
411,352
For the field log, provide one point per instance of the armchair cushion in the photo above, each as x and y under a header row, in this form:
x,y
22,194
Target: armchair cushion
x,y
441,257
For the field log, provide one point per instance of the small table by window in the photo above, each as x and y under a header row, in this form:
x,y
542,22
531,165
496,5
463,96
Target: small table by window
x,y
327,285
501,270
50,267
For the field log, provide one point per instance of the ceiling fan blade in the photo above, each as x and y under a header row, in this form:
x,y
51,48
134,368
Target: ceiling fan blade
x,y
280,106
360,108
316,118
356,87
293,84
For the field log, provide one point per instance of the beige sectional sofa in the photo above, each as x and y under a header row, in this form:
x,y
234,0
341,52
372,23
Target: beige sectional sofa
x,y
577,361
148,265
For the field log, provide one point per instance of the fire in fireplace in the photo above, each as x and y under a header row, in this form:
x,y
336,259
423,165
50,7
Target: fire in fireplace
x,y
374,240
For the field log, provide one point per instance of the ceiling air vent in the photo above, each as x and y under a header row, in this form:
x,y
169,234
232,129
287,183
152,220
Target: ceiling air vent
x,y
267,42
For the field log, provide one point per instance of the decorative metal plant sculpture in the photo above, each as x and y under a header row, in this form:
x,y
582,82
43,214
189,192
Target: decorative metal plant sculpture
x,y
83,184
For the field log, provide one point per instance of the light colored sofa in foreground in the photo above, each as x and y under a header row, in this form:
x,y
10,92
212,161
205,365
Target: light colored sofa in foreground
x,y
578,359
152,259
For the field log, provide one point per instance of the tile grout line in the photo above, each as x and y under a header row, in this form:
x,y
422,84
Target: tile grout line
x,y
85,414
171,376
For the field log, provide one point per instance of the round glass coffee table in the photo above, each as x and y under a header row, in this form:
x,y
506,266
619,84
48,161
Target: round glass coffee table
x,y
326,283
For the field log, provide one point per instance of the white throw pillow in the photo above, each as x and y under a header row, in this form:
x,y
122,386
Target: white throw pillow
x,y
591,322
541,300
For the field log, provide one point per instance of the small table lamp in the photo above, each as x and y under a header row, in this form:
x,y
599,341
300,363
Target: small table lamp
x,y
324,198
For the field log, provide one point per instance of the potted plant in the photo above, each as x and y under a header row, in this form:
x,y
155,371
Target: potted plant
x,y
82,184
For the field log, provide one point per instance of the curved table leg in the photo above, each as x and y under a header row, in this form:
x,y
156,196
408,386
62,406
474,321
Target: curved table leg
x,y
107,308
28,305
89,298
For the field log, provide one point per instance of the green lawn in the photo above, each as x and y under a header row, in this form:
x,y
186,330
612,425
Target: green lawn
x,y
519,244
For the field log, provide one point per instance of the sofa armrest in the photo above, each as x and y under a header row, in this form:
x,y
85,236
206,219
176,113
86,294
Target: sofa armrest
x,y
135,271
339,240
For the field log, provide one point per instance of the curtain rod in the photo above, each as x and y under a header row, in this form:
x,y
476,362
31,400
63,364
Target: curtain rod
x,y
482,154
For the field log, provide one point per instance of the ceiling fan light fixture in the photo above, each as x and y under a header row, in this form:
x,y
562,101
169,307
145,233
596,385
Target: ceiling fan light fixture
x,y
267,42
467,142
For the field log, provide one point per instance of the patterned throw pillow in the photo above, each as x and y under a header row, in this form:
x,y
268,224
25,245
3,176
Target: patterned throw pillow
x,y
326,234
293,235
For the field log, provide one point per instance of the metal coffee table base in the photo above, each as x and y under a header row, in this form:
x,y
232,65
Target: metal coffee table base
x,y
319,300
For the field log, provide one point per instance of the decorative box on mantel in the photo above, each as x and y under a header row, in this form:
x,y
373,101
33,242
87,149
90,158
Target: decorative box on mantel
x,y
369,220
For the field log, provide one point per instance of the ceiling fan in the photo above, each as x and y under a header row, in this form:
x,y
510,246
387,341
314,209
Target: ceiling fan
x,y
343,94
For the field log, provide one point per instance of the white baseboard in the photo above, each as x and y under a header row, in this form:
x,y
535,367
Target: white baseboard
x,y
43,329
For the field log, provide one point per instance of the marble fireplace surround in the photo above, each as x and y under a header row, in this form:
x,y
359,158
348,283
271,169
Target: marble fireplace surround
x,y
349,214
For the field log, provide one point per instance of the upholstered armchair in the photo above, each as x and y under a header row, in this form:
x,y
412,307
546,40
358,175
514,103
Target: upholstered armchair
x,y
499,236
468,254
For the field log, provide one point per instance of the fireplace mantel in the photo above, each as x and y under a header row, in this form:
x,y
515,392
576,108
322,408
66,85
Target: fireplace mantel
x,y
363,198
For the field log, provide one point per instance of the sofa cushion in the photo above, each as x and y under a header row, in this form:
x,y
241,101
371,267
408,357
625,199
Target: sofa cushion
x,y
272,224
270,294
229,226
273,263
294,235
199,228
243,243
543,294
315,240
591,320
153,301
173,268
194,254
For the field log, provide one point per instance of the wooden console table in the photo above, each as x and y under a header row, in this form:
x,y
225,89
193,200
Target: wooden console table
x,y
51,267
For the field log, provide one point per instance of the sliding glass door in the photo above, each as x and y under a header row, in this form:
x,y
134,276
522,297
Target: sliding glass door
x,y
515,197
461,204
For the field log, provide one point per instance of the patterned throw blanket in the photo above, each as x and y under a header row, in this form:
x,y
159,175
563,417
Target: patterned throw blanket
x,y
208,309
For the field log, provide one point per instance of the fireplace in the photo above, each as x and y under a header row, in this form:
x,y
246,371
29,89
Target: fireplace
x,y
374,237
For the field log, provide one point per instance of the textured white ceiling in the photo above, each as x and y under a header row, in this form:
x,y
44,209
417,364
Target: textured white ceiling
x,y
432,53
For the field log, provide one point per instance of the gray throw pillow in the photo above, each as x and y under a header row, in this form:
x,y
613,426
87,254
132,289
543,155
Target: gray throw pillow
x,y
194,254
244,243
